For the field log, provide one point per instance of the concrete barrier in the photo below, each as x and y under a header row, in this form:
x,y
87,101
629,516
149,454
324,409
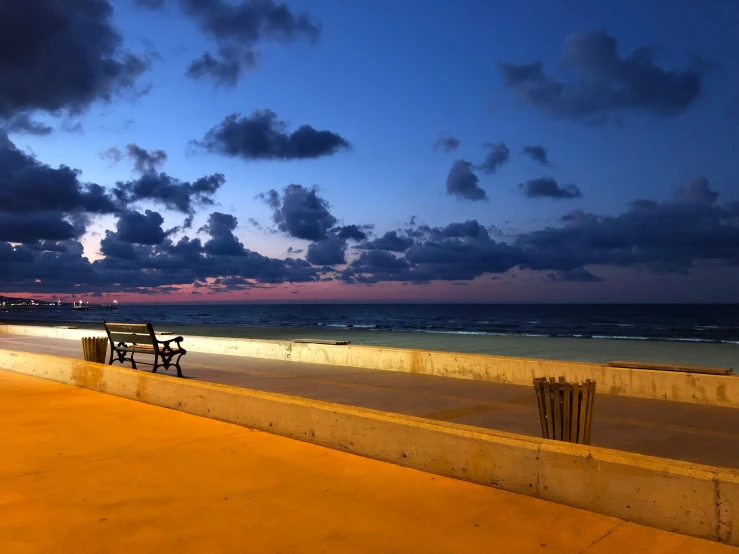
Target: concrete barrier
x,y
686,498
693,388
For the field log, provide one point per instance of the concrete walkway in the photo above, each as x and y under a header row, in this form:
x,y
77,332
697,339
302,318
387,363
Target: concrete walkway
x,y
82,471
689,432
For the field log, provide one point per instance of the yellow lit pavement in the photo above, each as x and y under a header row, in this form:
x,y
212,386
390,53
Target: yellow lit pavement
x,y
82,471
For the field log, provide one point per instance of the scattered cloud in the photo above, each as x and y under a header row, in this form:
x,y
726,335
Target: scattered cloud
x,y
146,161
546,187
182,196
330,251
605,84
262,136
300,213
226,69
22,123
447,143
498,155
390,241
237,29
537,153
463,183
352,232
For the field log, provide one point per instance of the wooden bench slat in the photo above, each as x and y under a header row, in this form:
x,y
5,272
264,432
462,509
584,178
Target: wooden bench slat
x,y
128,327
131,338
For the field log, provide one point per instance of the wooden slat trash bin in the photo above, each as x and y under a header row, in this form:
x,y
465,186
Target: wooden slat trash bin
x,y
94,349
565,409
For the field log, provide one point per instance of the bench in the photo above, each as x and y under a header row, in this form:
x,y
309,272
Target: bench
x,y
127,339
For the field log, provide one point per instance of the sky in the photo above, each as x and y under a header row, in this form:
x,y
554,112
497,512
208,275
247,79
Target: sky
x,y
318,150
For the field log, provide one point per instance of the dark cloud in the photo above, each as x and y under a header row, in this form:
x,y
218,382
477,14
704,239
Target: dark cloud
x,y
140,228
605,84
446,143
656,236
223,242
112,247
458,252
546,187
377,265
390,241
301,213
254,223
351,232
330,251
262,136
697,191
22,123
112,154
224,70
29,228
182,196
498,154
145,161
462,258
237,28
578,274
537,153
140,267
61,56
463,183
29,186
468,229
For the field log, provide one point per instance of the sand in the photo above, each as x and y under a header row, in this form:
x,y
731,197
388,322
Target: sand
x,y
585,350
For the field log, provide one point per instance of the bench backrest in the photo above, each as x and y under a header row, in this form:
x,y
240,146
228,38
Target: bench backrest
x,y
130,333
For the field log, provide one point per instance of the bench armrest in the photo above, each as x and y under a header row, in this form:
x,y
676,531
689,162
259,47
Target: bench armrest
x,y
176,339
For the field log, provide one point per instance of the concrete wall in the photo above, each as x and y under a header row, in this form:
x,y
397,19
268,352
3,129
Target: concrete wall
x,y
692,499
712,390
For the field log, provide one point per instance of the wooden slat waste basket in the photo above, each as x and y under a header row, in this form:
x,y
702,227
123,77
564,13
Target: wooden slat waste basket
x,y
94,349
565,409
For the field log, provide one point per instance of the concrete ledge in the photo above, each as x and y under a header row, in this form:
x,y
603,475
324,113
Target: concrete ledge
x,y
686,498
693,388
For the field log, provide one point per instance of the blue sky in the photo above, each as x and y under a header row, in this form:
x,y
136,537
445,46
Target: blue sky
x,y
391,78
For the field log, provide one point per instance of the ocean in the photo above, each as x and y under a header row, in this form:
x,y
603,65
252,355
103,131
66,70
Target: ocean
x,y
700,323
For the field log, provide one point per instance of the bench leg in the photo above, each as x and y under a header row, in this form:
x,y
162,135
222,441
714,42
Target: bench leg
x,y
133,362
156,364
177,365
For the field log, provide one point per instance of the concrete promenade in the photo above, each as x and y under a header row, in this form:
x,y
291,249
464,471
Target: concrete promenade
x,y
82,471
694,433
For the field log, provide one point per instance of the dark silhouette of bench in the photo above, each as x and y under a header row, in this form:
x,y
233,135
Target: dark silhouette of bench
x,y
127,339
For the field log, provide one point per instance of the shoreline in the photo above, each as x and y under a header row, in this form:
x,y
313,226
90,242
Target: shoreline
x,y
595,350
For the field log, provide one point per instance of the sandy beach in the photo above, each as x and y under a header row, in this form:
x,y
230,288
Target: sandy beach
x,y
586,350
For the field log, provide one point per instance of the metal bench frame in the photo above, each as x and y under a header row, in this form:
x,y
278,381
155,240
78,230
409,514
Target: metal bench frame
x,y
127,339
